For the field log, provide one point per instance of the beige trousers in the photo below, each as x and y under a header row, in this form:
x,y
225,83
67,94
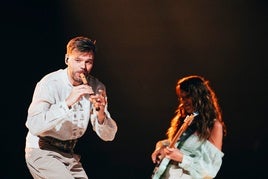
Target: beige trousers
x,y
45,164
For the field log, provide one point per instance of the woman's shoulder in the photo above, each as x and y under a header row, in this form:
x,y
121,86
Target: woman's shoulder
x,y
216,134
217,125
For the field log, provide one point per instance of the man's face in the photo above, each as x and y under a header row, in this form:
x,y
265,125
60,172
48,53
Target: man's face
x,y
79,62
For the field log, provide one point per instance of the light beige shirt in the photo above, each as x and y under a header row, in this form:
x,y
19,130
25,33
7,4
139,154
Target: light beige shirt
x,y
48,114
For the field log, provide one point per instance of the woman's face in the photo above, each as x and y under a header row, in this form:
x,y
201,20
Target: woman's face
x,y
186,102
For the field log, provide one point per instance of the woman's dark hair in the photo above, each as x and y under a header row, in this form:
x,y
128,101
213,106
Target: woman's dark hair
x,y
205,103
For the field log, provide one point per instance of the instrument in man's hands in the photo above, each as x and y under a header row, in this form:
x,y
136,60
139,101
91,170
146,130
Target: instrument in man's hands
x,y
162,165
84,79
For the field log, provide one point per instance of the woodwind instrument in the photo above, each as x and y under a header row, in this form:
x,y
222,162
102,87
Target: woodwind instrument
x,y
85,82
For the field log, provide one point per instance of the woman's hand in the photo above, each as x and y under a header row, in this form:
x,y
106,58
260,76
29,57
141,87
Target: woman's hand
x,y
173,154
158,154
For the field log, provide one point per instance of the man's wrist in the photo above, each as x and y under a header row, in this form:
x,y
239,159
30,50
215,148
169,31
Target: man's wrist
x,y
101,118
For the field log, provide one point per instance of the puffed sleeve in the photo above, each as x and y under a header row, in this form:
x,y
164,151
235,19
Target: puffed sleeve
x,y
204,162
108,129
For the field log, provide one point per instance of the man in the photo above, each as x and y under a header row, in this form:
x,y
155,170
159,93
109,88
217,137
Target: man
x,y
62,107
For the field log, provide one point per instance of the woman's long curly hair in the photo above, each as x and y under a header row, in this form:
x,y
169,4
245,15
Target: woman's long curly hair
x,y
204,101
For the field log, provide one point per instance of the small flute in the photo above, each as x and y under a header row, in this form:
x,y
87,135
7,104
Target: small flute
x,y
84,79
85,82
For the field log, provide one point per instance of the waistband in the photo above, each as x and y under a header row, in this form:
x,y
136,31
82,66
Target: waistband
x,y
50,143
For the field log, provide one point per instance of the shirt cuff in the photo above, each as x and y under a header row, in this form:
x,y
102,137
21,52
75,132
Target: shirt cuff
x,y
186,162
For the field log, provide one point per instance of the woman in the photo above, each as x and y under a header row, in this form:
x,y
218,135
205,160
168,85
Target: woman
x,y
198,152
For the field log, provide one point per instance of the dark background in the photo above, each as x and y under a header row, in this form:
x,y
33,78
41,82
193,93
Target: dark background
x,y
144,47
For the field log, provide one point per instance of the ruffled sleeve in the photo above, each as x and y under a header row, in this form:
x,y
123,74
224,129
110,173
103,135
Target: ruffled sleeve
x,y
203,162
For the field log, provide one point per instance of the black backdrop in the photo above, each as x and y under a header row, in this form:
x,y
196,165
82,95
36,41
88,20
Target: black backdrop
x,y
143,48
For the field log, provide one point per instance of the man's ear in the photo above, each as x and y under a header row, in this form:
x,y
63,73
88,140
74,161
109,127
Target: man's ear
x,y
66,59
